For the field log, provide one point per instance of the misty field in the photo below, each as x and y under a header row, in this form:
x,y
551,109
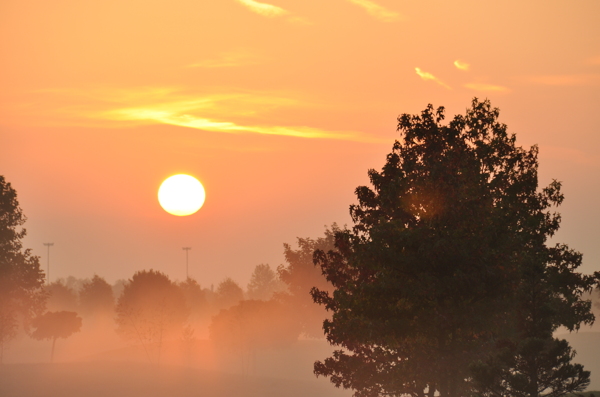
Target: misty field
x,y
126,372
93,379
84,369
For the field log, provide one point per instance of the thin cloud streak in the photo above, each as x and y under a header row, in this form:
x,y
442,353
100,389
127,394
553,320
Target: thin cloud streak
x,y
266,10
428,76
461,65
377,11
207,112
486,87
186,120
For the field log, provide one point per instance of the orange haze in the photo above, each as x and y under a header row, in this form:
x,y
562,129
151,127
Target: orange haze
x,y
278,107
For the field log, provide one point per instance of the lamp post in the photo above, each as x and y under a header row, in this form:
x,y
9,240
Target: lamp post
x,y
186,249
48,272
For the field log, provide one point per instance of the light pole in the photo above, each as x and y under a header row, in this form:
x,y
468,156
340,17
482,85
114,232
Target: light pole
x,y
48,273
186,249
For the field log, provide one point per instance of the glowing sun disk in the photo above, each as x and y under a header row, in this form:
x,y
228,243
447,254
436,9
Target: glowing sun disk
x,y
181,195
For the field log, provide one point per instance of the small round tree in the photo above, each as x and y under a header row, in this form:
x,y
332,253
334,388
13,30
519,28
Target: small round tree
x,y
54,325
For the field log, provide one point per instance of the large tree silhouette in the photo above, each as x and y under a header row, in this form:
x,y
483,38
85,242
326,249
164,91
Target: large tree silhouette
x,y
21,279
437,275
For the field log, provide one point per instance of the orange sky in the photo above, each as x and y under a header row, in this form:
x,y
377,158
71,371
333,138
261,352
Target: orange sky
x,y
279,108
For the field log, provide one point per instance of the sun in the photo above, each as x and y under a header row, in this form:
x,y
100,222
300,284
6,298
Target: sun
x,y
181,195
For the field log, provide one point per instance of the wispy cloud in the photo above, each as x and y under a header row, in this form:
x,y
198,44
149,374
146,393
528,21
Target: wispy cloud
x,y
461,65
428,76
565,79
190,121
228,59
486,87
377,11
264,9
225,113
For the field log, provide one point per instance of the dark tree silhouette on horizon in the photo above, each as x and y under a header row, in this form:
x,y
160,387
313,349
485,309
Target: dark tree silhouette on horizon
x,y
21,278
445,285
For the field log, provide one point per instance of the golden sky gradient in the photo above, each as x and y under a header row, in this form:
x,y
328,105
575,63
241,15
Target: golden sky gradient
x,y
279,107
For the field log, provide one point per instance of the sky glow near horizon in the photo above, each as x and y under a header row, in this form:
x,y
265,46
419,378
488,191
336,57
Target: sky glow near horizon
x,y
279,107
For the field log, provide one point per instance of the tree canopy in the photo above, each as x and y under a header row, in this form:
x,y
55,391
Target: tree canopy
x,y
447,269
21,278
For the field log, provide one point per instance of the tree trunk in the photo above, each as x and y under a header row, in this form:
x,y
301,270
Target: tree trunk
x,y
52,353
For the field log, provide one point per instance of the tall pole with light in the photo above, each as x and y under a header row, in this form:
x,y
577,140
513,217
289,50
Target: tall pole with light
x,y
48,273
186,249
